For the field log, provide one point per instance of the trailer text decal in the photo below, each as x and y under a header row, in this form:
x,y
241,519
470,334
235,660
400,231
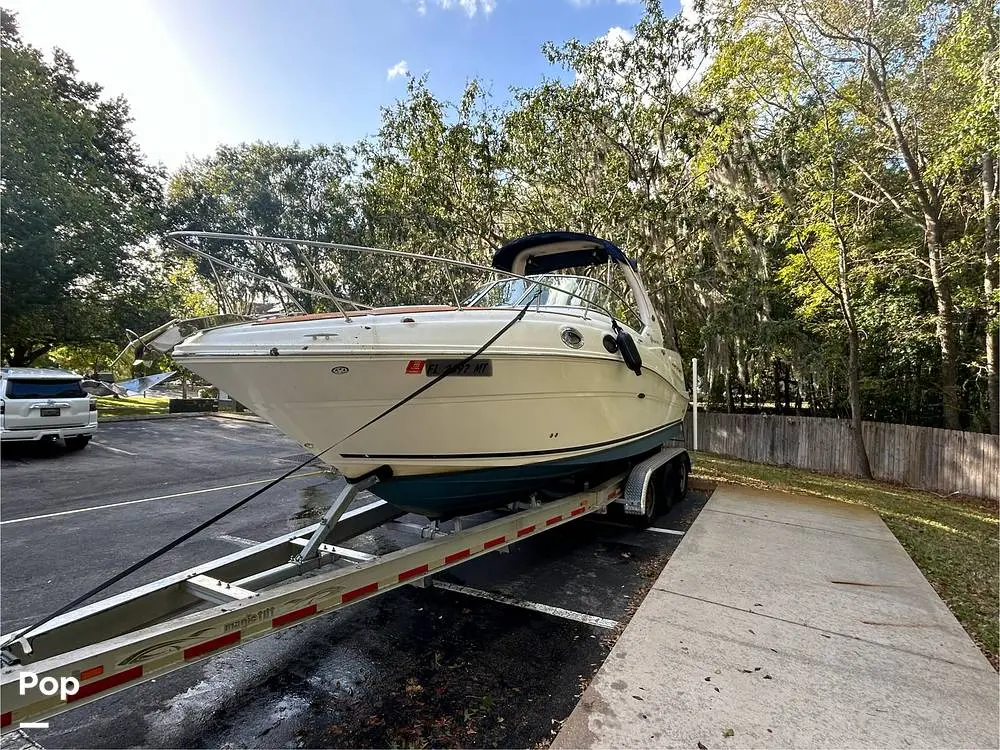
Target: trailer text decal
x,y
251,618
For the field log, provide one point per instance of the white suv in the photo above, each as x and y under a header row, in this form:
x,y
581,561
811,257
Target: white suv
x,y
45,404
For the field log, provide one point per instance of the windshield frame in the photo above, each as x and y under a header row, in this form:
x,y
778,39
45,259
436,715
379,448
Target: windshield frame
x,y
533,284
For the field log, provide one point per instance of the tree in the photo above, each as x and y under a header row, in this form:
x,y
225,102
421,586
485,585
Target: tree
x,y
271,190
891,69
77,202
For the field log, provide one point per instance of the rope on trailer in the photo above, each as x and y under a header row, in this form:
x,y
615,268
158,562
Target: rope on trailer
x,y
22,635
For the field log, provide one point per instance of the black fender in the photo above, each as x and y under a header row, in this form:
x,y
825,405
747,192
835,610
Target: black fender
x,y
629,352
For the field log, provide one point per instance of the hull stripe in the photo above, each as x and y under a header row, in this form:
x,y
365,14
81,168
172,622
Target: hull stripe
x,y
513,454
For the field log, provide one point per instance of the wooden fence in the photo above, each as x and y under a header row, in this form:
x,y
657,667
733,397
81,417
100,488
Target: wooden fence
x,y
943,461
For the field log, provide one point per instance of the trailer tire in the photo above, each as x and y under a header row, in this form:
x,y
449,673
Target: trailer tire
x,y
655,501
676,484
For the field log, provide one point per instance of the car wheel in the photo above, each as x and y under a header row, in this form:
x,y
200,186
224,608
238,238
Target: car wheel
x,y
77,443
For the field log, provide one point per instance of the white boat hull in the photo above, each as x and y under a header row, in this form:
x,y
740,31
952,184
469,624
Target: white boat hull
x,y
541,403
531,409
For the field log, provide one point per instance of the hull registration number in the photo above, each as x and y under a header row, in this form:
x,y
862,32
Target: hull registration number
x,y
477,368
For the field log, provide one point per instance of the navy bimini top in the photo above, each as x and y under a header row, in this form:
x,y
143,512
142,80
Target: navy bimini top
x,y
592,251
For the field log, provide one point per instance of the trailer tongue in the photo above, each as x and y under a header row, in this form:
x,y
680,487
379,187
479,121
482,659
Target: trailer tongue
x,y
139,635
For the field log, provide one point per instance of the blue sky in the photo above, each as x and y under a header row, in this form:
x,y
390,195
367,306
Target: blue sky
x,y
201,72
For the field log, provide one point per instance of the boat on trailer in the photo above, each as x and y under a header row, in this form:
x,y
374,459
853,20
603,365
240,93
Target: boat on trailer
x,y
578,384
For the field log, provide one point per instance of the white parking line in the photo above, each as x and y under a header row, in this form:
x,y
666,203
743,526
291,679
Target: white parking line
x,y
151,499
655,529
116,450
658,530
566,614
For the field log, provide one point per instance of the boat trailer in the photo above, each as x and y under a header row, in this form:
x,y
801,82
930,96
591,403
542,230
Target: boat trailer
x,y
142,634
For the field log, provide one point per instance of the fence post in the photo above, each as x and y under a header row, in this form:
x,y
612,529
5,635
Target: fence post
x,y
694,401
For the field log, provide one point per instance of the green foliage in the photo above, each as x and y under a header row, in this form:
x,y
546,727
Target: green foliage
x,y
270,190
76,202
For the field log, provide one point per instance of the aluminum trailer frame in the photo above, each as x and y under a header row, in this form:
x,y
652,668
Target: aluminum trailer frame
x,y
142,634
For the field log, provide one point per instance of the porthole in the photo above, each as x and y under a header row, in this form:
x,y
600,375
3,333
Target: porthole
x,y
572,338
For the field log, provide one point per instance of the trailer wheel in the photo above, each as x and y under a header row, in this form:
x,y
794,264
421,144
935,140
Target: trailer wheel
x,y
677,479
655,501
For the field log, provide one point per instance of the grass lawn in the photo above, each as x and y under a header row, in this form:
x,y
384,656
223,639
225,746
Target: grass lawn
x,y
108,406
952,540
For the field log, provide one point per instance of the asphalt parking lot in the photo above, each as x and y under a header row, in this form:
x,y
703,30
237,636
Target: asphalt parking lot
x,y
414,667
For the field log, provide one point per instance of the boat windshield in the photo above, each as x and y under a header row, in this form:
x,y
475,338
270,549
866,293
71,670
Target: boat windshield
x,y
556,290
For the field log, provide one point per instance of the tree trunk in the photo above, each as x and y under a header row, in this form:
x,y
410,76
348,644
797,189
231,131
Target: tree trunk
x,y
23,356
944,326
854,396
777,387
930,209
853,365
990,229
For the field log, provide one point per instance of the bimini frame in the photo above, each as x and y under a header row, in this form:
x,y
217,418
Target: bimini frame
x,y
182,241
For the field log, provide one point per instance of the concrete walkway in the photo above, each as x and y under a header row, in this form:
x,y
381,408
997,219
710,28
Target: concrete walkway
x,y
789,621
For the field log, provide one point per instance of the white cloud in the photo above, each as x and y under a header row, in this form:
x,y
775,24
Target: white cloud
x,y
617,36
470,7
399,69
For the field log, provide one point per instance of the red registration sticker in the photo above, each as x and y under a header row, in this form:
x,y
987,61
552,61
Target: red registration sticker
x,y
415,367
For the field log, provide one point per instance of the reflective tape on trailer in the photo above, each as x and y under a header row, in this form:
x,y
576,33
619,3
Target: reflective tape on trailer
x,y
298,614
214,644
406,575
357,593
99,686
456,556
